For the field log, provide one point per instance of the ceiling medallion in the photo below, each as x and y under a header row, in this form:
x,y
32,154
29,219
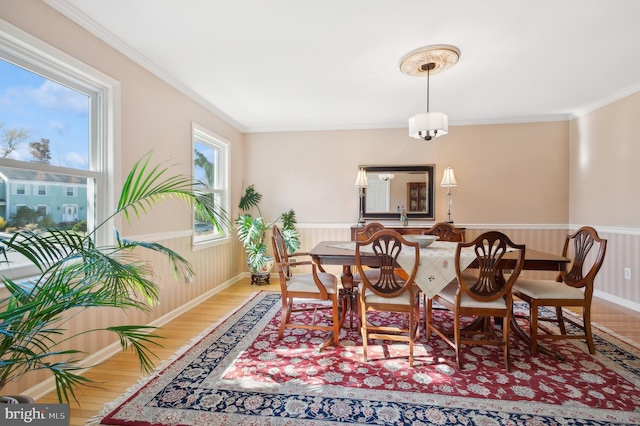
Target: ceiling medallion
x,y
443,56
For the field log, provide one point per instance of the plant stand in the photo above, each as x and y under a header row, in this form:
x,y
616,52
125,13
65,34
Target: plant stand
x,y
260,279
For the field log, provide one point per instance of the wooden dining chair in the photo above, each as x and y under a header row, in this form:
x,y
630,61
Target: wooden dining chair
x,y
482,293
573,287
368,230
446,232
317,285
387,291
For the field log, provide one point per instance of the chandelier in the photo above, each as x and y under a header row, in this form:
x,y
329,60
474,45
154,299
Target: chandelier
x,y
422,62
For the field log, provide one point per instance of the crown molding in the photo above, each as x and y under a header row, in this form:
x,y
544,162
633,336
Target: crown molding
x,y
75,15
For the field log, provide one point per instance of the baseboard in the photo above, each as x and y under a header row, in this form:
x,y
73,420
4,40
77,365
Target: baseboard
x,y
49,385
617,300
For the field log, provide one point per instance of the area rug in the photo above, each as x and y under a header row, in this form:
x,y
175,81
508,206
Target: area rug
x,y
239,373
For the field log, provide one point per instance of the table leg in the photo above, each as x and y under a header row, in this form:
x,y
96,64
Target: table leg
x,y
527,339
349,294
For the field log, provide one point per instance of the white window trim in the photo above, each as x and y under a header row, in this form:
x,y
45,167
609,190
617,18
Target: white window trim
x,y
28,50
201,134
45,206
23,186
74,191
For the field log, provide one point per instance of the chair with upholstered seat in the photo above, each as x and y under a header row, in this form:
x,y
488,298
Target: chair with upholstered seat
x,y
573,287
481,292
317,285
387,291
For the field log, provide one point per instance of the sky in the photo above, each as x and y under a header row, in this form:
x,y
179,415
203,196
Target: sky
x,y
44,109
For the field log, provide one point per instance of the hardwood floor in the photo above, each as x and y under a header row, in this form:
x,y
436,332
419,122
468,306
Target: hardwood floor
x,y
120,372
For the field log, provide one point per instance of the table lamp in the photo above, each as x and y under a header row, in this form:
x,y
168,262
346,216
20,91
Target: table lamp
x,y
449,180
361,183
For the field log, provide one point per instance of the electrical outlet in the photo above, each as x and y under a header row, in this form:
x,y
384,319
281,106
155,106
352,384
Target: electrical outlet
x,y
627,273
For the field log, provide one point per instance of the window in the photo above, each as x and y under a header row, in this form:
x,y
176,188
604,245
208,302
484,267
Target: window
x,y
211,169
16,208
70,191
56,139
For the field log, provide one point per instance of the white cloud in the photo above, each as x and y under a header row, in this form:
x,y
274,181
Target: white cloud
x,y
53,95
73,159
58,127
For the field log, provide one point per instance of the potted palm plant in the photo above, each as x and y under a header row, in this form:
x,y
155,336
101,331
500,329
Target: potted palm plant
x,y
75,274
252,233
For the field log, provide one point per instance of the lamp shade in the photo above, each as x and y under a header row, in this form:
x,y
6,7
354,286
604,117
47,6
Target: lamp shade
x,y
449,178
428,125
361,179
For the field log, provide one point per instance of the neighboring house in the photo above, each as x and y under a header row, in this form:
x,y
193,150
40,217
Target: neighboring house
x,y
63,198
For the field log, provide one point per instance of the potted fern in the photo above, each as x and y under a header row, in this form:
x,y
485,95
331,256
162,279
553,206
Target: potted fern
x,y
252,233
75,274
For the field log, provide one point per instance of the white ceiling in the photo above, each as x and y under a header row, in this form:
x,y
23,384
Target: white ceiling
x,y
268,65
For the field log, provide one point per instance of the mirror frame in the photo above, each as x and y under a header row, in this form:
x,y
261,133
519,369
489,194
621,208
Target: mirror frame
x,y
425,168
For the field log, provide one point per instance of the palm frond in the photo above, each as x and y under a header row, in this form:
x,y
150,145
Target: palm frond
x,y
145,186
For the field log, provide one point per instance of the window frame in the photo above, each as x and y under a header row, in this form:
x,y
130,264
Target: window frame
x,y
201,135
42,206
26,51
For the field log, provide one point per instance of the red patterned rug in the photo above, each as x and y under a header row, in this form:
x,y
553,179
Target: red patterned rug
x,y
239,373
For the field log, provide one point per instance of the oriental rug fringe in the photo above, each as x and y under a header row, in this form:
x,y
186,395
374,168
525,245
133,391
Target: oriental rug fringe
x,y
239,373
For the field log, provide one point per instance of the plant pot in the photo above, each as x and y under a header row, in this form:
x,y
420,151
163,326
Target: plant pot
x,y
16,399
265,270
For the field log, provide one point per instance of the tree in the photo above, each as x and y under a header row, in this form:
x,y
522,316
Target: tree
x,y
202,161
11,140
40,151
24,215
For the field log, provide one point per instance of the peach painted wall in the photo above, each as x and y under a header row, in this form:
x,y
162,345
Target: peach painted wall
x,y
604,153
605,150
507,174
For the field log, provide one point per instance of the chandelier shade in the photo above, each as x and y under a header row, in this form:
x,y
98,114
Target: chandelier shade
x,y
428,125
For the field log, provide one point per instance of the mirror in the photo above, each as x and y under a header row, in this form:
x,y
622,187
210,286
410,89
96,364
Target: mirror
x,y
393,187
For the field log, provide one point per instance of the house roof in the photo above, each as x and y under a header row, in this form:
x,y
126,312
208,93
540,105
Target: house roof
x,y
334,64
8,174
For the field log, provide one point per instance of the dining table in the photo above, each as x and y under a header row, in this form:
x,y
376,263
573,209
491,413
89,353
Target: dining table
x,y
436,269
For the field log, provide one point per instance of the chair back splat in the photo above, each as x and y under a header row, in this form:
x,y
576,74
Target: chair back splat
x,y
446,232
368,230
